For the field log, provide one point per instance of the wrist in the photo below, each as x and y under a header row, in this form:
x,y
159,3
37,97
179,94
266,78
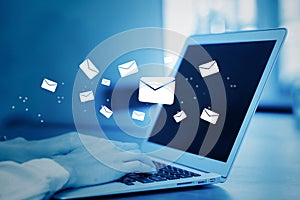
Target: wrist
x,y
66,164
13,152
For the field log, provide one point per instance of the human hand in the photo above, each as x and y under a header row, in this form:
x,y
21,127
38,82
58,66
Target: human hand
x,y
21,150
105,161
109,160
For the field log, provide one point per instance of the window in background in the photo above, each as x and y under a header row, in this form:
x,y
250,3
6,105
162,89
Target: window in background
x,y
290,65
209,16
216,16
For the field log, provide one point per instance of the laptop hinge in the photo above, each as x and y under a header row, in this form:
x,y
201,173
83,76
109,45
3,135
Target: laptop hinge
x,y
223,179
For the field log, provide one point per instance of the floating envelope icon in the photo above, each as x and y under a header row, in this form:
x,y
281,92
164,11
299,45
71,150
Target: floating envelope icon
x,y
106,112
157,90
138,115
89,69
180,116
209,68
49,85
105,82
128,68
209,116
86,96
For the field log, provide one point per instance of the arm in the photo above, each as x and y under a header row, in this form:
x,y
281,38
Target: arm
x,y
21,150
35,179
81,160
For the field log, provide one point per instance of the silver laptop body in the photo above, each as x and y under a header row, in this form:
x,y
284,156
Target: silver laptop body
x,y
237,54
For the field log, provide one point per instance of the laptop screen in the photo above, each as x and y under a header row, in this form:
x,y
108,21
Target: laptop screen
x,y
240,66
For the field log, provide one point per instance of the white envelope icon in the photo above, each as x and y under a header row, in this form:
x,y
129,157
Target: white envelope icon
x,y
89,69
157,90
49,85
128,68
106,112
86,96
209,68
180,116
138,115
209,116
105,82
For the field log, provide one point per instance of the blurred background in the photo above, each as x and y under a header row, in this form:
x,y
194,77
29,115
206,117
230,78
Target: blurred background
x,y
50,38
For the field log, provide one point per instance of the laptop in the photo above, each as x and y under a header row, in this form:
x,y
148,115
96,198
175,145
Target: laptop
x,y
195,141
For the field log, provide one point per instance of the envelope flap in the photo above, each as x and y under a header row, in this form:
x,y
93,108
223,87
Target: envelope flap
x,y
127,65
138,113
50,83
179,114
86,93
211,113
208,65
91,66
156,83
106,109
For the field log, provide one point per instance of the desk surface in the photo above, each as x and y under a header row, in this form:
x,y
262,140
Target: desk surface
x,y
267,166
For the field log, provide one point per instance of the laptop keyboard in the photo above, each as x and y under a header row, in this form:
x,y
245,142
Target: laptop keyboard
x,y
164,173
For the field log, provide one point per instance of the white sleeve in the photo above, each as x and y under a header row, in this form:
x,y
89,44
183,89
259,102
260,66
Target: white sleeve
x,y
35,179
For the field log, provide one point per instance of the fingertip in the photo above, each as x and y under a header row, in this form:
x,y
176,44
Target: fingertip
x,y
148,169
139,167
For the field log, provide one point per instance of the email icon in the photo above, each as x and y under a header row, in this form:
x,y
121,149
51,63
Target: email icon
x,y
138,115
106,112
105,82
157,90
180,116
209,68
89,69
209,116
128,68
49,85
86,96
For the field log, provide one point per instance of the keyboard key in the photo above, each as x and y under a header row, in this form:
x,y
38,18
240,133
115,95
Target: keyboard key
x,y
144,180
157,178
164,173
194,174
185,176
128,183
